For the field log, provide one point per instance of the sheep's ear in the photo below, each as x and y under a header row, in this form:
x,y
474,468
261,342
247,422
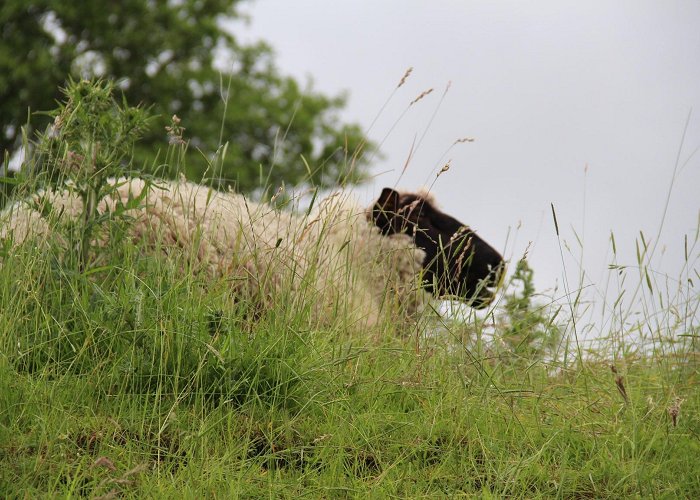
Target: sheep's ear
x,y
388,201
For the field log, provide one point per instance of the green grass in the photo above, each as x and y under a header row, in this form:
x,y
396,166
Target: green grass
x,y
146,384
122,375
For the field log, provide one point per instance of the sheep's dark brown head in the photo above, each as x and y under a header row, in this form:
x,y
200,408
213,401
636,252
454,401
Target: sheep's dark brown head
x,y
458,264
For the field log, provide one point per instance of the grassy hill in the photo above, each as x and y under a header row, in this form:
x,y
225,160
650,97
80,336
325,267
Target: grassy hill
x,y
125,374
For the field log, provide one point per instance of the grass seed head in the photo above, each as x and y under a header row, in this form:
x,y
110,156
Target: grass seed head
x,y
444,169
277,194
619,382
421,96
175,131
674,410
463,139
405,77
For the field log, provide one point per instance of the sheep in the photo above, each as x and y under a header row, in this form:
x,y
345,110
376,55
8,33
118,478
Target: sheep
x,y
366,264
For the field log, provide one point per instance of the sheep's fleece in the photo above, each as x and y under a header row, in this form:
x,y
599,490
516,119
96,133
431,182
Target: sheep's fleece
x,y
333,259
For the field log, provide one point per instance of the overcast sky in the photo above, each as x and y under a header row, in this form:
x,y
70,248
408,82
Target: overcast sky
x,y
579,104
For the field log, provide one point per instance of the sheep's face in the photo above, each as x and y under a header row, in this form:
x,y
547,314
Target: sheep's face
x,y
458,264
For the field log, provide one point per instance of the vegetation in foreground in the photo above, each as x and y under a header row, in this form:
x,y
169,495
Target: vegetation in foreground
x,y
121,375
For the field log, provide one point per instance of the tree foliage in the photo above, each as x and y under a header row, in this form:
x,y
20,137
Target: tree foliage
x,y
244,122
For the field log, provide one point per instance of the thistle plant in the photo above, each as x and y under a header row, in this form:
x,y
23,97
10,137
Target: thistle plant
x,y
90,142
527,330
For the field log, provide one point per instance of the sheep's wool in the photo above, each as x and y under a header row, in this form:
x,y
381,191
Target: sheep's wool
x,y
332,258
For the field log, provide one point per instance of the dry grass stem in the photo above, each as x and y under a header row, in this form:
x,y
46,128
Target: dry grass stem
x,y
408,158
620,384
104,462
462,254
113,493
307,229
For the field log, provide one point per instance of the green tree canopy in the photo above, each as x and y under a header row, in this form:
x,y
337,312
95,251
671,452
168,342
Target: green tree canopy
x,y
161,53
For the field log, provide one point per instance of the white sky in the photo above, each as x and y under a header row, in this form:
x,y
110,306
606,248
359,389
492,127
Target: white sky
x,y
546,88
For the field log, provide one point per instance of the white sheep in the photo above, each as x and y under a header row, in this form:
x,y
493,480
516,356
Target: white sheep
x,y
339,259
